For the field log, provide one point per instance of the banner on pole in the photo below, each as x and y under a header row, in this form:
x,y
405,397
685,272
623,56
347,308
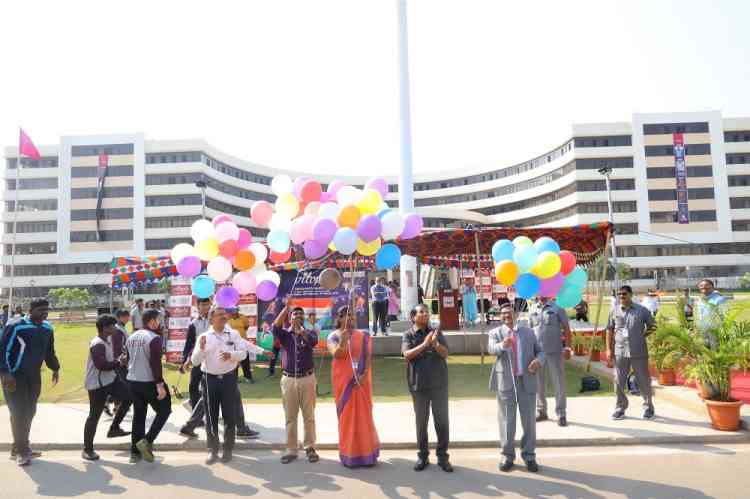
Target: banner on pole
x,y
683,214
179,303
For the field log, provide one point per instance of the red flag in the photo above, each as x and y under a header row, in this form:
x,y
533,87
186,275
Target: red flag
x,y
26,147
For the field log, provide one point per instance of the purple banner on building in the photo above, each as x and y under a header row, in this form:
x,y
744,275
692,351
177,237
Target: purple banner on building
x,y
683,214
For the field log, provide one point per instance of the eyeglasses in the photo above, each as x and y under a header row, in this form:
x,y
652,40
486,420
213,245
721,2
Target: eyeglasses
x,y
623,294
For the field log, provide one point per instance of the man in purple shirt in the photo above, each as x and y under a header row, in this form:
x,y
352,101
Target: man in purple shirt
x,y
298,384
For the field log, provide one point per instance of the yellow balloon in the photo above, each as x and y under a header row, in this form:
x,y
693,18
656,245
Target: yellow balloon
x,y
370,202
287,205
506,272
207,249
368,249
548,264
349,217
331,246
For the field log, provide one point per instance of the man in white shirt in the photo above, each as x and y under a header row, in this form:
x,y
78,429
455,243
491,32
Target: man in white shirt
x,y
651,302
219,351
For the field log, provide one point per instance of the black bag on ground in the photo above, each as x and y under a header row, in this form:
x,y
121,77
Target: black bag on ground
x,y
589,384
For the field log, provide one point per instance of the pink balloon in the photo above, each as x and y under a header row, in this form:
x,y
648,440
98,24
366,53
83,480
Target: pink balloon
x,y
325,197
297,186
226,231
298,230
310,191
550,287
261,213
379,184
313,207
244,282
333,188
221,218
315,249
244,239
323,230
412,226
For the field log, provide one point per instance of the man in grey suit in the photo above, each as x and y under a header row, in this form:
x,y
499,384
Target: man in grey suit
x,y
519,356
552,329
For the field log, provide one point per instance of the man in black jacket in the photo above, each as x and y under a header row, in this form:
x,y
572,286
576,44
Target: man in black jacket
x,y
25,345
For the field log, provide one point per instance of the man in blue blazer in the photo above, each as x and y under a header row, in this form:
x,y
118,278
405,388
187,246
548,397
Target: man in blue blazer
x,y
518,356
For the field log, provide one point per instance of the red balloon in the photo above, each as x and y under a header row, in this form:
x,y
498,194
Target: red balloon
x,y
228,248
280,257
310,191
568,262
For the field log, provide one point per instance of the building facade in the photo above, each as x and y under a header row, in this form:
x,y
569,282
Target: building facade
x,y
680,186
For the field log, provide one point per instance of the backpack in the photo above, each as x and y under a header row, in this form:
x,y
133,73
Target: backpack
x,y
589,384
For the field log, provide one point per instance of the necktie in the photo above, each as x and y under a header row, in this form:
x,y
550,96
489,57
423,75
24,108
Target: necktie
x,y
514,346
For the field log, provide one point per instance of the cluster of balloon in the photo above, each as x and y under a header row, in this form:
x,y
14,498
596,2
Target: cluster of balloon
x,y
234,264
342,218
539,268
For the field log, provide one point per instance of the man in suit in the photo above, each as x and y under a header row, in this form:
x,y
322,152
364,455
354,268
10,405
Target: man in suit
x,y
519,356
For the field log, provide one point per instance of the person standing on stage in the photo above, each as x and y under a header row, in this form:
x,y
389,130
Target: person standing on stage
x,y
552,329
218,352
518,357
380,294
629,325
425,350
198,326
147,387
102,381
24,346
298,383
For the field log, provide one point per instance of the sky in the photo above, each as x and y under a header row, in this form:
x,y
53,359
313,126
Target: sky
x,y
312,85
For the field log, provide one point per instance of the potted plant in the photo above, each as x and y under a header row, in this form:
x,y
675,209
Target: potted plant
x,y
578,344
714,353
664,351
596,343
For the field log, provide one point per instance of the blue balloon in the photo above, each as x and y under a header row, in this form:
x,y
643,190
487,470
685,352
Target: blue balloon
x,y
278,241
545,243
577,278
569,297
525,257
382,213
502,250
203,286
527,285
387,257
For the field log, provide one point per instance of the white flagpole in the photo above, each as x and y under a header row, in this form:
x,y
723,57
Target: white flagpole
x,y
13,237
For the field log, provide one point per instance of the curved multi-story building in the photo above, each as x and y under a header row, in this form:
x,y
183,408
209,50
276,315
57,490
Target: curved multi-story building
x,y
680,188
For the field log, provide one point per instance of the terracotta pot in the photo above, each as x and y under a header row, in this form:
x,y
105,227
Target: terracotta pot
x,y
595,356
725,416
652,369
667,377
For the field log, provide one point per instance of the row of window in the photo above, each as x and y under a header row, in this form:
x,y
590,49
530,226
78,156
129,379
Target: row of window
x,y
171,222
737,136
92,236
192,178
671,172
739,203
663,128
736,248
109,149
31,227
662,217
31,249
578,209
599,163
59,269
32,163
199,157
109,192
741,225
738,158
32,183
671,194
739,180
32,205
690,150
106,214
93,171
608,141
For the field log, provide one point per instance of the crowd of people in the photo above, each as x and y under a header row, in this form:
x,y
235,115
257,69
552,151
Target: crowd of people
x,y
127,367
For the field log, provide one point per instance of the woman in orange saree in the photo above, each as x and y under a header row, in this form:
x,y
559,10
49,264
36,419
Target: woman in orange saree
x,y
351,377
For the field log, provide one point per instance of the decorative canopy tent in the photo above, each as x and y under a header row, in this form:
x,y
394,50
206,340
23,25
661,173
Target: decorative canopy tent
x,y
132,272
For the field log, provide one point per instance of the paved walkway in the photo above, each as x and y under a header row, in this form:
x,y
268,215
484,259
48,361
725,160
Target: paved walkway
x,y
473,424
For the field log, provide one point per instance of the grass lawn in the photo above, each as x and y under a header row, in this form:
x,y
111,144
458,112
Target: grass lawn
x,y
468,378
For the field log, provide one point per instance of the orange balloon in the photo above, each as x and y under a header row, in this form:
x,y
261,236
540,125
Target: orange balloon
x,y
280,257
244,260
349,217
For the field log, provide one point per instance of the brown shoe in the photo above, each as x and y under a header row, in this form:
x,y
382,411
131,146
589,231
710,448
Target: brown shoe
x,y
312,456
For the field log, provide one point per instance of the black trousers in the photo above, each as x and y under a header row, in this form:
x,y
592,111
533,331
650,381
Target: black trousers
x,y
380,311
22,407
144,394
195,385
220,392
198,414
247,370
274,359
97,398
438,399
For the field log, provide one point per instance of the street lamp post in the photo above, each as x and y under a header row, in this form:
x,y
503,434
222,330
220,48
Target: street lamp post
x,y
606,172
201,184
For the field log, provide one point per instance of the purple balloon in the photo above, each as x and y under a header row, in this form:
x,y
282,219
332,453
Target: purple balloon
x,y
379,184
323,230
315,249
189,266
334,187
550,287
325,197
412,226
227,297
266,290
369,228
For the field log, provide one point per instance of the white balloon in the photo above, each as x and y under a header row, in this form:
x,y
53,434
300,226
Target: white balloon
x,y
259,251
181,251
219,269
393,225
202,229
328,210
281,184
270,275
280,222
348,195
